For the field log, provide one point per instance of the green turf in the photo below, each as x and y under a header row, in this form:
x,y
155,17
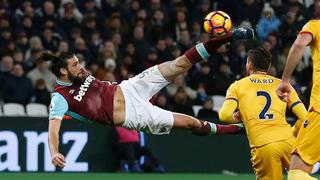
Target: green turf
x,y
111,176
103,176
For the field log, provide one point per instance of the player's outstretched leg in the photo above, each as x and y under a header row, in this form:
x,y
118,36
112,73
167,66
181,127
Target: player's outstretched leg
x,y
203,128
197,53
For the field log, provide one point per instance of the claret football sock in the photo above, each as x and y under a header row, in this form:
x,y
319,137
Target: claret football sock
x,y
211,128
206,49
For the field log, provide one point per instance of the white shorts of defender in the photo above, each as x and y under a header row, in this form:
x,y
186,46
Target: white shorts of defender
x,y
140,113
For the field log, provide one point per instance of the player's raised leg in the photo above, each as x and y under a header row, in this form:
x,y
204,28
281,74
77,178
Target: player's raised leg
x,y
201,51
171,69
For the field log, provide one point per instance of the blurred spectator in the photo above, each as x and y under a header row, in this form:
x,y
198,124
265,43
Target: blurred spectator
x,y
5,38
268,22
68,9
180,24
139,41
41,94
179,82
162,50
95,44
158,25
224,79
42,72
31,61
50,40
6,65
46,15
23,42
151,60
196,31
70,17
182,103
201,11
239,57
27,26
34,43
107,52
131,147
289,28
18,57
207,113
203,79
90,8
18,88
63,47
89,26
184,41
249,10
80,47
162,101
110,6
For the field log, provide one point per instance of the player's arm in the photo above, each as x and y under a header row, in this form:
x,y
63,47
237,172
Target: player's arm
x,y
295,54
226,113
53,133
298,108
58,108
304,38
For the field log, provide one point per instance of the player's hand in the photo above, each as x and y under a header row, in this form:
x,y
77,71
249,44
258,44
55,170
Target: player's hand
x,y
283,91
236,116
58,160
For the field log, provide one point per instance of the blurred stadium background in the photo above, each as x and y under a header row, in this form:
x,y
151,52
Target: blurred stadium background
x,y
115,40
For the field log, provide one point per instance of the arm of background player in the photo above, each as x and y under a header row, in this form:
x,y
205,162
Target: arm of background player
x,y
296,53
298,108
301,112
227,110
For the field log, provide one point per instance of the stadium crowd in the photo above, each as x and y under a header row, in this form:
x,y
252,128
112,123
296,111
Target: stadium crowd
x,y
117,39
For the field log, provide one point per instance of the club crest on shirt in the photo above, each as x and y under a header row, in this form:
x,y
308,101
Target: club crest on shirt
x,y
71,91
305,123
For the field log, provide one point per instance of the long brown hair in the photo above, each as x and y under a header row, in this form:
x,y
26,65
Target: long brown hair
x,y
57,62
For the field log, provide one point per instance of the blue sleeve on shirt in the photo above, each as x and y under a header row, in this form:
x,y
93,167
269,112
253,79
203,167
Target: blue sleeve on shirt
x,y
58,106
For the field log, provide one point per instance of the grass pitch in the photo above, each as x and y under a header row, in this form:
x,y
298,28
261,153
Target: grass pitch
x,y
120,176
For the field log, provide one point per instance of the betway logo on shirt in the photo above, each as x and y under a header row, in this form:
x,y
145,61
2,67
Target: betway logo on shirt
x,y
84,88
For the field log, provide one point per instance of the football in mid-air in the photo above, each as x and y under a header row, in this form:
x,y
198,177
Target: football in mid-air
x,y
217,23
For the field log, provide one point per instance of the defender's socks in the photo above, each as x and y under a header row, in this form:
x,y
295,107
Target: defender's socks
x,y
211,128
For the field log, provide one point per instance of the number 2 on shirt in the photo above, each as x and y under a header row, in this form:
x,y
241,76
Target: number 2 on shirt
x,y
263,114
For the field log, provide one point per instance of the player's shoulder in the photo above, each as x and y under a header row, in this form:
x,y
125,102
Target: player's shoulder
x,y
275,79
312,23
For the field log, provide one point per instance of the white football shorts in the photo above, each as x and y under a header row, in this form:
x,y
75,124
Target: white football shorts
x,y
140,113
